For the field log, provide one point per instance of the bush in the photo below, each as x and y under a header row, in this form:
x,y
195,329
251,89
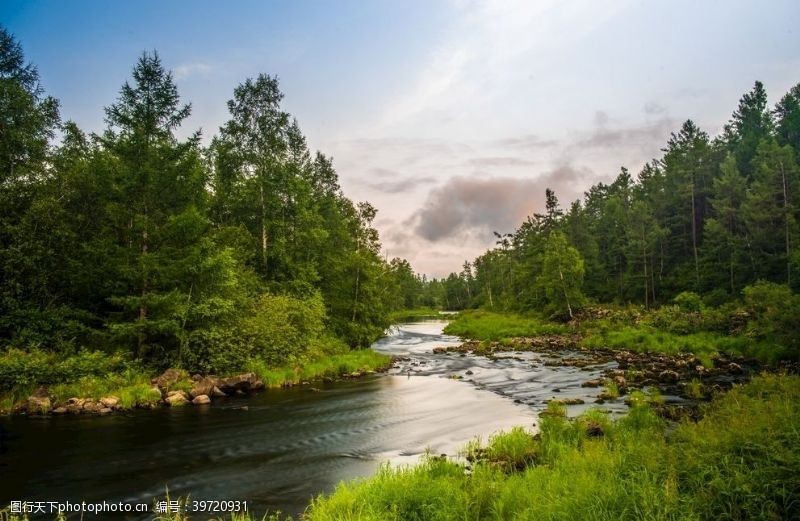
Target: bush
x,y
774,314
278,329
689,301
20,368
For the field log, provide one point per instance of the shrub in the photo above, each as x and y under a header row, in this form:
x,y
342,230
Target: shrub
x,y
20,368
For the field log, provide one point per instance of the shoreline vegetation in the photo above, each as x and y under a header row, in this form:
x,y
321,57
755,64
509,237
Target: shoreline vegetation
x,y
738,461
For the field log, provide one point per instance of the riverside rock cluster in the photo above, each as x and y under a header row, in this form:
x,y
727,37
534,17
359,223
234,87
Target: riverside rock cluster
x,y
203,390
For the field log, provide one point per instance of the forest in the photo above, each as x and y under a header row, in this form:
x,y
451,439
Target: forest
x,y
136,247
712,216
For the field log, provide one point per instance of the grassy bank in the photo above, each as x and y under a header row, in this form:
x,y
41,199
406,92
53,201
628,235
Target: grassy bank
x,y
349,363
669,330
739,462
411,315
131,383
490,326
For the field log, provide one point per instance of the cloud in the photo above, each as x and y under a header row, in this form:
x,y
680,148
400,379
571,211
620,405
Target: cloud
x,y
636,136
499,161
400,184
471,207
654,108
526,142
185,70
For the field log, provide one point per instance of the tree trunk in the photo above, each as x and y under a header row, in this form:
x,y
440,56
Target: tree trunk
x,y
263,229
564,287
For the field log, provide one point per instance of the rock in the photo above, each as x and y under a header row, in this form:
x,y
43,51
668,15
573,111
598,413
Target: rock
x,y
566,401
167,378
735,368
176,398
74,408
110,402
203,386
201,399
592,383
668,376
196,377
594,429
621,382
216,393
105,410
242,382
38,403
60,410
469,373
91,406
77,402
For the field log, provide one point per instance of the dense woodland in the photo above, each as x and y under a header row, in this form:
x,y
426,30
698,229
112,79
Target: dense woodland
x,y
711,216
173,252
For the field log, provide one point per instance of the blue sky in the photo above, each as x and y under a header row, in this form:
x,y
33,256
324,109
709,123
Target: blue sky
x,y
451,117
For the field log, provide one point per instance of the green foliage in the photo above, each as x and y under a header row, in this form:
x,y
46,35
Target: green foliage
x,y
356,361
25,369
689,301
189,257
774,312
485,325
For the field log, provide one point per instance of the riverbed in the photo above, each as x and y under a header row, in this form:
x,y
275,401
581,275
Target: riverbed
x,y
276,449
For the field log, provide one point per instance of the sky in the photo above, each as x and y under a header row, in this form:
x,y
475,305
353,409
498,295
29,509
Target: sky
x,y
451,117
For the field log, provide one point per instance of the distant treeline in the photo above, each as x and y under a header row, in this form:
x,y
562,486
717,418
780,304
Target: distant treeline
x,y
711,216
178,253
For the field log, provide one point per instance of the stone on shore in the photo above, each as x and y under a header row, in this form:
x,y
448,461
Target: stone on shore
x,y
201,399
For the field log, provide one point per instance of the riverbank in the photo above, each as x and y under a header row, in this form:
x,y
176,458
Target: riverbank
x,y
739,461
134,387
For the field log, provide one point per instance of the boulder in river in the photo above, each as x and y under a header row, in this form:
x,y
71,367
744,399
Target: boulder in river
x,y
243,382
204,386
201,399
597,382
176,398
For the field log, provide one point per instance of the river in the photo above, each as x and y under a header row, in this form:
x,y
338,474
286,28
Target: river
x,y
288,445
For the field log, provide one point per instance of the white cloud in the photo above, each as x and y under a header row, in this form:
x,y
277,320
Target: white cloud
x,y
184,70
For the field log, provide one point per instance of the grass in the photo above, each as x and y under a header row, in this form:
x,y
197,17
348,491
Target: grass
x,y
486,325
357,361
411,315
739,462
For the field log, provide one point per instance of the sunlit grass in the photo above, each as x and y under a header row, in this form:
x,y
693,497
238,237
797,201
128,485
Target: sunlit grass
x,y
357,361
485,325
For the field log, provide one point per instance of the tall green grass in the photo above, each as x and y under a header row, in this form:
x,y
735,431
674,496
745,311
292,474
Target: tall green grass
x,y
486,325
356,361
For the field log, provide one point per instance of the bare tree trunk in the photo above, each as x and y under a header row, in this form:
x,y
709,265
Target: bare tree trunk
x,y
564,287
263,229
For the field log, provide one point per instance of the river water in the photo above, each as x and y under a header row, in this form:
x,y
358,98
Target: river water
x,y
289,445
